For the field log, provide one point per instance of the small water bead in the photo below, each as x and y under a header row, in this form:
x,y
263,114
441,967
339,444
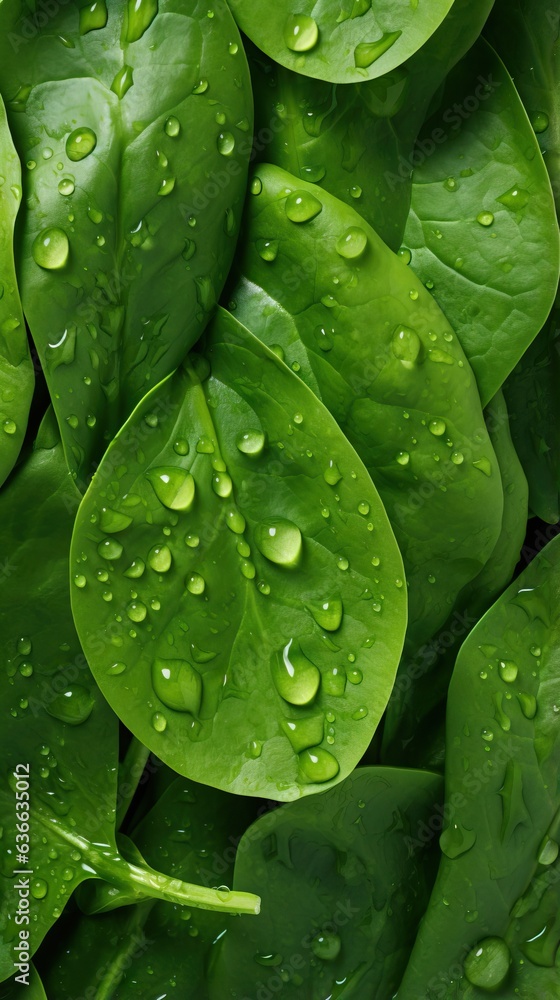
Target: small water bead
x,y
256,186
235,521
159,722
528,704
222,484
80,581
548,852
456,840
80,143
31,164
332,474
24,646
193,541
304,733
508,671
487,964
196,584
406,345
352,243
111,521
295,677
51,249
326,946
73,706
413,294
328,613
160,558
66,186
318,765
355,676
263,587
174,488
9,426
367,53
342,563
248,569
116,668
403,458
39,888
177,684
485,218
205,446
457,457
136,611
172,126
225,143
254,749
110,549
302,206
437,427
26,669
268,249
233,48
405,255
280,541
301,33
540,122
483,465
313,174
487,735
515,199
360,713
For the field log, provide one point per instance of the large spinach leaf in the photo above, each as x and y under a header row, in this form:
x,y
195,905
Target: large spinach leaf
x,y
344,42
502,801
30,990
55,721
134,123
415,720
344,881
482,228
237,561
361,329
157,946
16,370
357,141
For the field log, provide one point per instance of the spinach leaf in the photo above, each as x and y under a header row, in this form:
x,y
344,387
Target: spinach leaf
x,y
502,801
134,123
482,228
415,720
526,36
16,371
31,990
344,42
156,943
55,720
344,879
361,329
357,141
242,571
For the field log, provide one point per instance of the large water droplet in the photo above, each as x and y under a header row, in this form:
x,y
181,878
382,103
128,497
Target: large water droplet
x,y
160,558
279,540
225,143
296,678
110,549
140,14
51,248
112,521
136,569
318,765
487,964
302,206
122,81
304,733
328,613
39,888
301,33
268,249
251,442
352,243
172,126
222,484
73,706
93,16
177,684
508,671
406,345
80,143
332,474
485,219
174,488
367,53
437,427
196,583
326,946
235,521
136,611
456,840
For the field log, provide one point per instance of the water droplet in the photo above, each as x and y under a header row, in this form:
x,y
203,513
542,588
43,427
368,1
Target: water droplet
x,y
437,427
515,199
80,581
483,465
487,735
342,563
254,749
116,668
457,457
135,570
318,765
140,14
136,611
406,345
73,706
222,484
301,33
456,840
196,583
334,682
326,946
324,338
540,122
93,16
51,248
9,426
352,243
327,613
485,218
548,852
172,126
159,722
112,521
403,458
24,646
301,206
487,964
225,143
205,446
122,82
508,671
256,185
313,174
279,540
356,191
174,488
528,704
80,143
160,558
193,541
66,186
332,474
251,442
110,549
39,888
367,53
268,249
177,684
360,713
235,521
304,733
296,679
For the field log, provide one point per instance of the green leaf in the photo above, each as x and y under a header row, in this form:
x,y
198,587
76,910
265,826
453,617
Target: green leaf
x,y
357,141
16,370
30,988
154,942
359,327
482,228
502,801
344,42
344,878
229,535
130,222
415,720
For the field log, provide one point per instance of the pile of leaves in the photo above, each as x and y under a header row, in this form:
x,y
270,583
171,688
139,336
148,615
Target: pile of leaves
x,y
280,480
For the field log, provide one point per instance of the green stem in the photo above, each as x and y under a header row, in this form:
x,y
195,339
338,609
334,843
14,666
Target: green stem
x,y
130,771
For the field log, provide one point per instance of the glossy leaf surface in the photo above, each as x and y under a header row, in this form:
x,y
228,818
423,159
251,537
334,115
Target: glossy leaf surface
x,y
232,539
129,228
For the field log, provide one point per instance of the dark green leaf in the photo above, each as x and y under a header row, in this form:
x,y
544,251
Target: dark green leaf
x,y
229,536
133,196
